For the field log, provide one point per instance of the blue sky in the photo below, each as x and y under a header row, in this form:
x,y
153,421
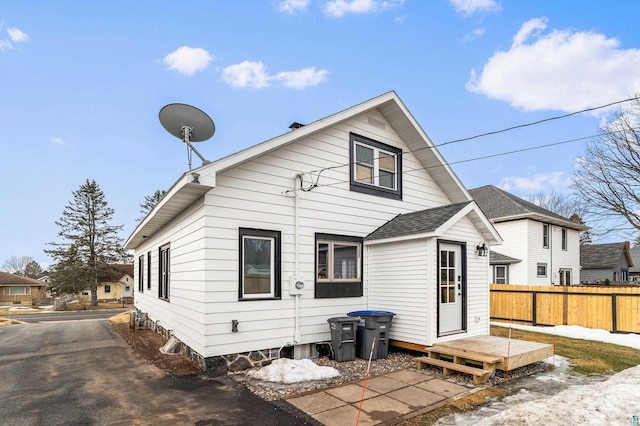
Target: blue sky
x,y
81,85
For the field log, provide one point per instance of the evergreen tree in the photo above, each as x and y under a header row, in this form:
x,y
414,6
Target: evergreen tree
x,y
150,201
89,242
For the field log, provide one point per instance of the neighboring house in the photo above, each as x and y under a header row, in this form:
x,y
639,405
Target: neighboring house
x,y
115,283
605,262
634,271
18,290
254,252
539,247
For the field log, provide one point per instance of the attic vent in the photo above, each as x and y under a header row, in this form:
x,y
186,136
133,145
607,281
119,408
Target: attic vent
x,y
376,123
296,125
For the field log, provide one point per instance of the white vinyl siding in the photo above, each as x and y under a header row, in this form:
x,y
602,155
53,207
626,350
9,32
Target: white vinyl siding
x,y
204,241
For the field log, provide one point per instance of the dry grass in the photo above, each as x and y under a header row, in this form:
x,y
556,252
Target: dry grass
x,y
7,321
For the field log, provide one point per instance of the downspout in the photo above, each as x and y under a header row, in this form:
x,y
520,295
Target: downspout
x,y
551,230
296,266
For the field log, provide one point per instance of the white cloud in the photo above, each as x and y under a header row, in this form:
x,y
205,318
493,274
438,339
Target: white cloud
x,y
249,74
302,78
16,35
469,7
293,6
541,182
58,140
188,60
246,74
339,8
563,70
473,35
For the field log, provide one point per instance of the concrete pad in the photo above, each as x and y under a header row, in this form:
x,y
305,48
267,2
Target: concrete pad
x,y
351,393
382,408
316,402
384,384
415,397
410,377
443,387
344,416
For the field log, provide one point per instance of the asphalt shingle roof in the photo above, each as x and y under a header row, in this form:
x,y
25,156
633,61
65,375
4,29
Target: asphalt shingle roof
x,y
497,204
496,258
416,222
13,279
601,256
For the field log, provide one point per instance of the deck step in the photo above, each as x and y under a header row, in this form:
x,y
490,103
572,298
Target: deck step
x,y
479,375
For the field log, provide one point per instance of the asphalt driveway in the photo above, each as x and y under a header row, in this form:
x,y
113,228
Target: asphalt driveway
x,y
83,373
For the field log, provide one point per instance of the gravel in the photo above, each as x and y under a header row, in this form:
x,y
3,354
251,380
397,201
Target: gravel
x,y
351,371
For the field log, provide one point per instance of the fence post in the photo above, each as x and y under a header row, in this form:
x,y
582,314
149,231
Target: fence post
x,y
534,303
614,313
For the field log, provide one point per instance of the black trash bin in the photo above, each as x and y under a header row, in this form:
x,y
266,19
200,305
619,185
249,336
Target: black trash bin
x,y
343,337
372,324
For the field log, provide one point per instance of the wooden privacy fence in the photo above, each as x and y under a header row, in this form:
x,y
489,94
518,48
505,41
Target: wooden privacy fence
x,y
616,309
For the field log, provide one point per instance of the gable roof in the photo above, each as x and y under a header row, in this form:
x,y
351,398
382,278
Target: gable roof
x,y
502,206
186,190
7,279
496,258
604,256
432,222
114,272
634,253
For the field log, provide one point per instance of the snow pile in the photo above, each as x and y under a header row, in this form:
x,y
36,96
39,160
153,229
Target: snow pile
x,y
286,370
612,402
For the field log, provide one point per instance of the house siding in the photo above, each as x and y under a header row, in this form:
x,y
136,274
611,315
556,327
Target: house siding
x,y
204,294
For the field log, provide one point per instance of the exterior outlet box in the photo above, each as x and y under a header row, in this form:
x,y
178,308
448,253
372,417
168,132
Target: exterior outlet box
x,y
296,284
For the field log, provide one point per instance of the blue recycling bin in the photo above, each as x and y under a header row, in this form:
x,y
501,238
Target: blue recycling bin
x,y
372,324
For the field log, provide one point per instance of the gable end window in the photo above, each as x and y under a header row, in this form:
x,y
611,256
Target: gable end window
x,y
164,272
545,235
376,168
260,273
564,239
338,266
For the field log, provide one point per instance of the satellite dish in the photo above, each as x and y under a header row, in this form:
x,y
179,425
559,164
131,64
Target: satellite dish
x,y
188,124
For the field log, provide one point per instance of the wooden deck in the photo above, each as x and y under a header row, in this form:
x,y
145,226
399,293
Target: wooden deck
x,y
480,355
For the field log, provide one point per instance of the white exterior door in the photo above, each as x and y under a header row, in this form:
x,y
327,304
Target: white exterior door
x,y
450,288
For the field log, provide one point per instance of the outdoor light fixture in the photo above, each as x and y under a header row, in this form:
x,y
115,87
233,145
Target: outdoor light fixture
x,y
482,250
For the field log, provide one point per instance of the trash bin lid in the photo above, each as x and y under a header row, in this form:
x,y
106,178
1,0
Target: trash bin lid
x,y
342,319
371,313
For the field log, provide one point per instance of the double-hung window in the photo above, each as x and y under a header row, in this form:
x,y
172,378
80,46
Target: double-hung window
x,y
148,270
338,266
376,168
545,235
259,264
141,272
564,239
164,272
107,288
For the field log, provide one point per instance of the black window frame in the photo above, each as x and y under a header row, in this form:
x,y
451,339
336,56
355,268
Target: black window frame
x,y
329,288
149,270
141,272
372,189
164,274
276,236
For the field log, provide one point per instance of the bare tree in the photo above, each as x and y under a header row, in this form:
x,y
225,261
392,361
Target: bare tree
x,y
565,205
607,176
17,265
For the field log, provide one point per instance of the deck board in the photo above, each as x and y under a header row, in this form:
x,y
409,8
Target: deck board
x,y
513,352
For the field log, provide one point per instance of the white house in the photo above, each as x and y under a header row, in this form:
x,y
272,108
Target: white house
x,y
358,209
539,247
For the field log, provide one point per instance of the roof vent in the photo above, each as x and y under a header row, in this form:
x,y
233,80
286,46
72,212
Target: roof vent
x,y
296,125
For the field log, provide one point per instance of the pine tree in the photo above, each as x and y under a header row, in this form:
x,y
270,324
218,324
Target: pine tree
x,y
89,242
150,201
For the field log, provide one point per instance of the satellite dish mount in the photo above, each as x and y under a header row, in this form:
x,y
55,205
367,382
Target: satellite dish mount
x,y
188,124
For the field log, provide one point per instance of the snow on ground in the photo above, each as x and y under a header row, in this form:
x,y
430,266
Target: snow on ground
x,y
614,401
284,370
